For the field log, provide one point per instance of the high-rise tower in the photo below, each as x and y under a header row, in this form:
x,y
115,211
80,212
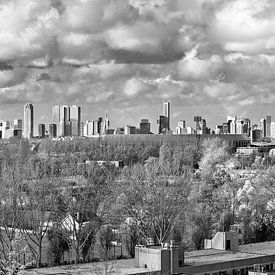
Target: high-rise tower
x,y
75,118
64,123
268,126
106,124
28,120
166,113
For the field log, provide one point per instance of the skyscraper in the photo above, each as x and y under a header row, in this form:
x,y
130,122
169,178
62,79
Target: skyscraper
x,y
144,126
28,120
64,123
105,125
17,124
268,126
52,130
163,123
41,130
75,118
166,113
55,114
263,127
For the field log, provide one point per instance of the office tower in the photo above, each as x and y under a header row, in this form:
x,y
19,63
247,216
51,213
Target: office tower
x,y
163,123
197,120
41,130
56,120
263,127
129,130
272,129
200,125
64,122
240,125
144,126
225,128
180,129
105,124
166,113
75,119
95,127
181,124
55,114
231,120
88,128
268,126
53,130
28,120
247,127
99,126
18,124
81,131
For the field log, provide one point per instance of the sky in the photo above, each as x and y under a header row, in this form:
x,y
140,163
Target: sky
x,y
211,58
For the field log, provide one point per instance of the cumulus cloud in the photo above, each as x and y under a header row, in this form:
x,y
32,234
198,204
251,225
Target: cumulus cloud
x,y
251,25
134,87
193,68
94,52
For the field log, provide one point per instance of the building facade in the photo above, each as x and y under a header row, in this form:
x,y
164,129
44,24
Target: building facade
x,y
41,130
28,120
166,113
144,127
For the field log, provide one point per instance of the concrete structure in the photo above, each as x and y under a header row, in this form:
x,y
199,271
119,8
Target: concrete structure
x,y
119,131
28,120
200,125
217,259
166,113
263,126
41,130
18,124
180,129
223,241
75,118
130,130
163,125
272,129
88,128
166,259
105,124
268,126
257,135
144,127
52,130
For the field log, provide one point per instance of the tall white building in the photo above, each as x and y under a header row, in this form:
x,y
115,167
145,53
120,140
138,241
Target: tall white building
x,y
272,129
28,120
88,128
166,113
75,119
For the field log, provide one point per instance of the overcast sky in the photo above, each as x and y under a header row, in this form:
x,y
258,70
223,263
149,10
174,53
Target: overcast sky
x,y
207,57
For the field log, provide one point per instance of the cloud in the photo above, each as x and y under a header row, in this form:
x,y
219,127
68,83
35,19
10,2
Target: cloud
x,y
251,26
109,53
133,87
193,68
27,28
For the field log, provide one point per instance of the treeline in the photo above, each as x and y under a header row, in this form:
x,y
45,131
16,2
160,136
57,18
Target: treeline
x,y
165,191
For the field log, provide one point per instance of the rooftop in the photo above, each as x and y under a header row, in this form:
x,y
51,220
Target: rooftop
x,y
210,256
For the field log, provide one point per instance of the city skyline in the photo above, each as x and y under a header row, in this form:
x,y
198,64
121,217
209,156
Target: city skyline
x,y
129,55
66,121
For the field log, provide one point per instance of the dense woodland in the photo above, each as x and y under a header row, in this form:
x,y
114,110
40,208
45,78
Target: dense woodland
x,y
164,191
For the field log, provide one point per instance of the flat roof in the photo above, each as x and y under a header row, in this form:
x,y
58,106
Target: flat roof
x,y
211,256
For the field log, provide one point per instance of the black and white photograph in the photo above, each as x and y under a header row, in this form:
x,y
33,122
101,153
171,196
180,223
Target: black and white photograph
x,y
137,137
